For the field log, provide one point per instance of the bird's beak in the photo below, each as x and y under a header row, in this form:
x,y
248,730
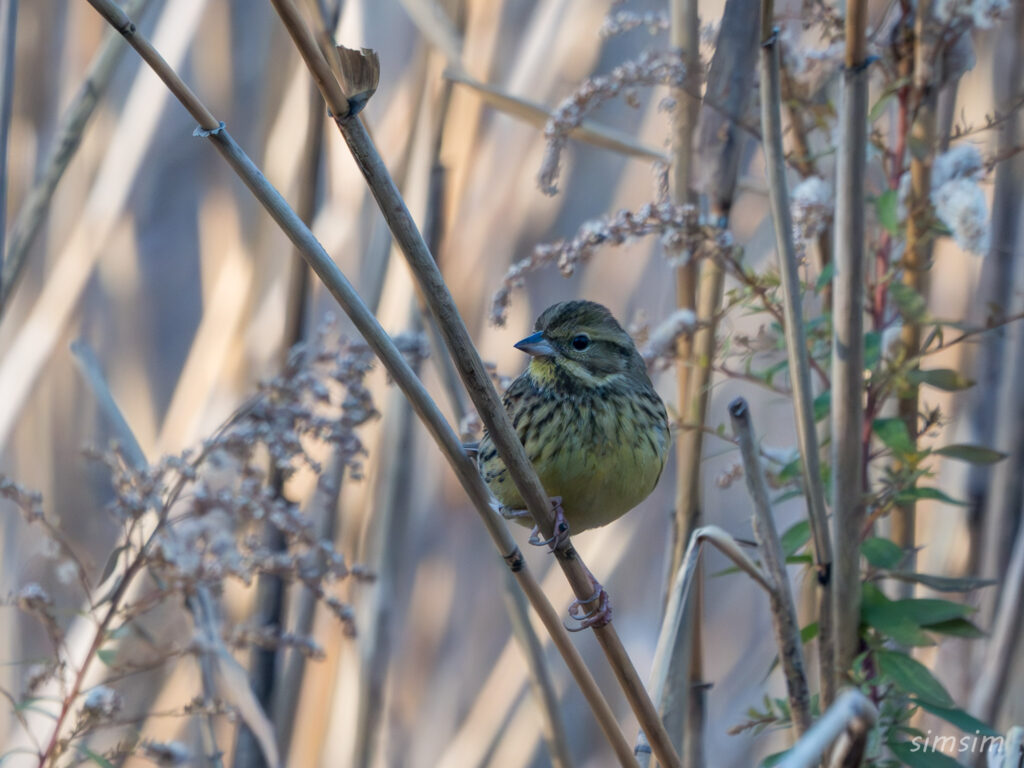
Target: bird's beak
x,y
536,345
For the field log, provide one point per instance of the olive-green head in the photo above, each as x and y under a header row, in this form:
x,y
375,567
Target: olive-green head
x,y
581,339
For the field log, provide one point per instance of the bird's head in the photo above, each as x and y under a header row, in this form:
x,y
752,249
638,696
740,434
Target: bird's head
x,y
582,341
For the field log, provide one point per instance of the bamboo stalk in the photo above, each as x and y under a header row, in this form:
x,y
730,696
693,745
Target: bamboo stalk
x,y
784,620
796,338
917,256
474,376
67,139
851,709
848,341
347,297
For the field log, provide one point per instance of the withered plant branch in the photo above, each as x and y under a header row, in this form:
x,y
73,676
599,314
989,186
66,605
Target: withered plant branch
x,y
851,710
796,348
66,141
200,604
342,290
784,619
847,417
478,384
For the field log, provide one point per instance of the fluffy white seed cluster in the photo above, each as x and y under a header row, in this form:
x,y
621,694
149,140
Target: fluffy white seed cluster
x,y
618,22
958,198
978,13
812,207
101,703
661,342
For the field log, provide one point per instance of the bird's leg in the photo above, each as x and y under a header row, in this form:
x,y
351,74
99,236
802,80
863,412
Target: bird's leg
x,y
561,529
597,616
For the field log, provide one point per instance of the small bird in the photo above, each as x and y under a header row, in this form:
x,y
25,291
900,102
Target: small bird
x,y
592,424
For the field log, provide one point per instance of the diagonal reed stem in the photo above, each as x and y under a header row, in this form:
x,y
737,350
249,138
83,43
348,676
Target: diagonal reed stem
x,y
471,370
347,297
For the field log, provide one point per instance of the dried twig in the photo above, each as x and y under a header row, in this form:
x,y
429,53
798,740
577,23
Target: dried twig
x,y
784,620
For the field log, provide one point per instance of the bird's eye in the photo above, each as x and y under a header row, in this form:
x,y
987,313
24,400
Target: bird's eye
x,y
580,342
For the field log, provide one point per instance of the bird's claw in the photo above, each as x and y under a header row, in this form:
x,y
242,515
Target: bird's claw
x,y
598,616
561,529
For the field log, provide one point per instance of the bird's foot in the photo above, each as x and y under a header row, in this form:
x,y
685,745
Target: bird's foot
x,y
561,529
597,616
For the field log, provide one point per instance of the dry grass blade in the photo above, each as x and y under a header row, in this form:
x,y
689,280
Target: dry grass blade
x,y
359,73
8,27
393,360
66,141
851,708
675,610
537,115
434,24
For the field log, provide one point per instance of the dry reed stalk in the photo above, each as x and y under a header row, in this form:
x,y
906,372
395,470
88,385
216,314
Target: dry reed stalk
x,y
8,30
474,375
917,256
851,710
67,139
684,35
719,145
784,620
796,337
848,342
40,332
378,340
990,687
538,115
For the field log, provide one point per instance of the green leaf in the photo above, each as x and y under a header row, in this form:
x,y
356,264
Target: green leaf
x,y
882,553
975,454
825,278
93,757
917,754
773,760
107,656
872,349
910,303
960,719
809,632
956,628
945,379
887,210
927,611
942,583
913,677
795,538
929,494
822,405
878,611
879,106
893,433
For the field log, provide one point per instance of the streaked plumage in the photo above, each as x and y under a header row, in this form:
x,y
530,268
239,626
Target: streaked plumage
x,y
586,411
